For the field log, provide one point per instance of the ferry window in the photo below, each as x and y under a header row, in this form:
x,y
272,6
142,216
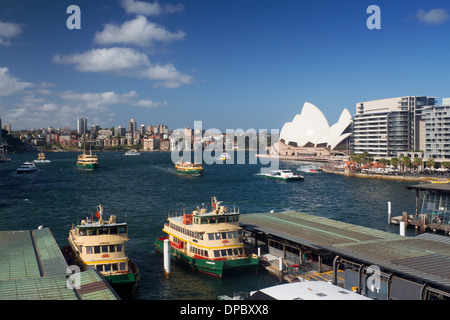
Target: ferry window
x,y
119,248
115,267
217,254
104,249
210,236
123,266
113,230
230,219
206,253
236,218
221,219
123,229
235,251
96,249
91,232
88,250
230,252
223,253
81,232
204,221
241,251
107,267
218,236
224,235
99,267
103,231
112,248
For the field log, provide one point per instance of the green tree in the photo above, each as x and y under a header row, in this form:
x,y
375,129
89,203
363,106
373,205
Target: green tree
x,y
417,162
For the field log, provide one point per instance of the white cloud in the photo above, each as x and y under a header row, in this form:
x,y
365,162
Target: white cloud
x,y
433,17
148,103
9,30
126,62
150,9
167,75
107,59
10,85
139,32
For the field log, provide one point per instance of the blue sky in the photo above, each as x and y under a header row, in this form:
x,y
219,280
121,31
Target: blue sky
x,y
230,63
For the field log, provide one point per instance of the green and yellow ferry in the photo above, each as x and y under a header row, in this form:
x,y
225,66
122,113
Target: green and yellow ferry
x,y
210,242
101,245
87,161
189,168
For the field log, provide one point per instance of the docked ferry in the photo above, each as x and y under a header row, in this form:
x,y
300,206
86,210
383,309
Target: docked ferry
x,y
189,168
101,245
210,242
87,161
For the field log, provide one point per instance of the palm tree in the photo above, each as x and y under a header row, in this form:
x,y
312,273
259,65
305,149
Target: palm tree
x,y
417,163
406,162
394,162
430,163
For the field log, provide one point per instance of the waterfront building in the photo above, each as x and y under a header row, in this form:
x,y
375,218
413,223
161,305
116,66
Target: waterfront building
x,y
436,121
132,126
386,127
82,126
309,134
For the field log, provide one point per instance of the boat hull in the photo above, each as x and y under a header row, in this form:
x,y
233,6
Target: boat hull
x,y
284,178
217,268
190,171
88,166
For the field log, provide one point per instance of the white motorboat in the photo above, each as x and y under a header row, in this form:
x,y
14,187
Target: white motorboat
x,y
132,153
26,167
285,175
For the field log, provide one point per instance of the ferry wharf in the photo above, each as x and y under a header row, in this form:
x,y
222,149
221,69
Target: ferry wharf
x,y
32,267
374,263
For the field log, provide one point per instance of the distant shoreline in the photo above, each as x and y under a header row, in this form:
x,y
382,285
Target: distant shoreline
x,y
382,176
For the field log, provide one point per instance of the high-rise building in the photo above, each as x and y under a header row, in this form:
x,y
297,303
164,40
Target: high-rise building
x,y
385,127
132,126
437,131
82,125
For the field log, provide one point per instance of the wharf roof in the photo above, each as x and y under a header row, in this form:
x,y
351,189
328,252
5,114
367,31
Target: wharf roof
x,y
421,258
32,267
431,187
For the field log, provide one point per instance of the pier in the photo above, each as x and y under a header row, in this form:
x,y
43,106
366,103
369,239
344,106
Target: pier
x,y
377,264
32,267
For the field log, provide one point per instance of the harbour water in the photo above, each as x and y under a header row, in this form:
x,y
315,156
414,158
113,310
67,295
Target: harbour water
x,y
143,189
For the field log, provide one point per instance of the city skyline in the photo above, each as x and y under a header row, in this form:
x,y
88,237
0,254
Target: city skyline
x,y
250,64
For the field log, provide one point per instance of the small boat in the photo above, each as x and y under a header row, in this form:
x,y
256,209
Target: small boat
x,y
26,167
209,242
224,156
189,168
41,158
315,170
101,245
285,175
87,161
3,155
132,153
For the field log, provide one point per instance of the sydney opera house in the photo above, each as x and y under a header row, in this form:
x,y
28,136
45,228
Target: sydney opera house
x,y
309,135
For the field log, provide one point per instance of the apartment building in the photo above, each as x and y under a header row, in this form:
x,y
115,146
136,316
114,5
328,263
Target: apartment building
x,y
387,126
436,121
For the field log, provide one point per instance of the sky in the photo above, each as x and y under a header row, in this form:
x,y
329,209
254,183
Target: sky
x,y
232,64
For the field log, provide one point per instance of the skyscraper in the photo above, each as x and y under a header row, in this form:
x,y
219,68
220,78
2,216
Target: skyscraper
x,y
82,125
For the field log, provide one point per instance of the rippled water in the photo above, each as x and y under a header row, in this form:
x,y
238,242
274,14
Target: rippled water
x,y
144,189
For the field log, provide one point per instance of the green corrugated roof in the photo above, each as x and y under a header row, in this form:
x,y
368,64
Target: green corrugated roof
x,y
33,268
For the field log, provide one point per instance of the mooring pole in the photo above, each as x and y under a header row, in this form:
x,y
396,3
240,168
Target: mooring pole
x,y
166,258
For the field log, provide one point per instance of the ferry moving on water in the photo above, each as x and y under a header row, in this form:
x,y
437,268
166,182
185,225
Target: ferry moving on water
x,y
87,161
210,242
101,245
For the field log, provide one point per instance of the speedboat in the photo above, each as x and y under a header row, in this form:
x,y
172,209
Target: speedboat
x,y
132,153
26,167
285,175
